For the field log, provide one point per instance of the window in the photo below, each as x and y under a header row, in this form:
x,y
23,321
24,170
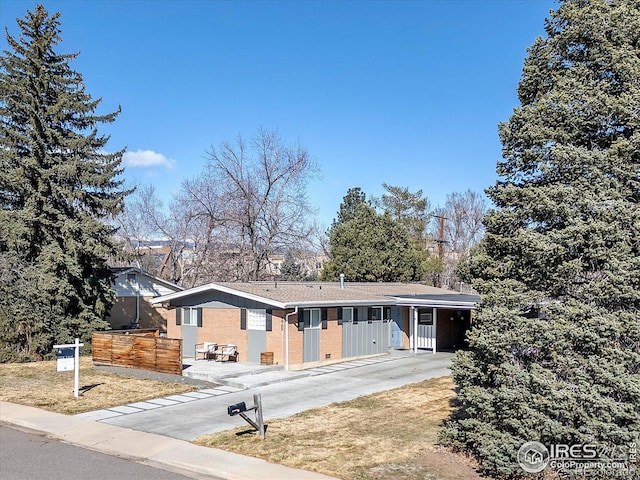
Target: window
x,y
347,314
376,313
131,278
256,319
425,317
190,316
315,318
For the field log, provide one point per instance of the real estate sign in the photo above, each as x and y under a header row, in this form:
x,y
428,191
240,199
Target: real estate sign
x,y
69,359
66,359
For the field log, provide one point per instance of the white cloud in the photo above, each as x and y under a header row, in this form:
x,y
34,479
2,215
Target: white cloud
x,y
146,158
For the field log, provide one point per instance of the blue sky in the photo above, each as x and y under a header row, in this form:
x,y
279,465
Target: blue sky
x,y
407,93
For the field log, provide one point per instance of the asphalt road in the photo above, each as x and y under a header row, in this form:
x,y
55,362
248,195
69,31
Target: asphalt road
x,y
189,420
29,456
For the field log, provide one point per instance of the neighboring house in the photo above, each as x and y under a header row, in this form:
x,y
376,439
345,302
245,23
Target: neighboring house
x,y
310,263
134,290
302,322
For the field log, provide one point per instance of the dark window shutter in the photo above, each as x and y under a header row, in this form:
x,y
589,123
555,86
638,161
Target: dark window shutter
x,y
199,314
323,317
243,319
300,320
178,316
370,313
355,314
387,313
339,315
269,321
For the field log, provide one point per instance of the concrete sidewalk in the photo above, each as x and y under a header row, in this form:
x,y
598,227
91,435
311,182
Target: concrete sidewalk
x,y
150,449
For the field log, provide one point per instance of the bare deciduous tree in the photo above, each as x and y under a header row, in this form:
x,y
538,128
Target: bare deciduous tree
x,y
463,225
253,197
157,238
463,228
248,204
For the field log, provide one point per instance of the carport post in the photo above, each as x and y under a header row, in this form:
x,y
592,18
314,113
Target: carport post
x,y
434,317
415,330
411,333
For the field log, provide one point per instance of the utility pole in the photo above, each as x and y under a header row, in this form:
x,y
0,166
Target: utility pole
x,y
440,241
441,247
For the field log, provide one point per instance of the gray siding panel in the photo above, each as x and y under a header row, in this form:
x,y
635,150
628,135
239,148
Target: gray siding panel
x,y
257,343
364,338
189,340
311,345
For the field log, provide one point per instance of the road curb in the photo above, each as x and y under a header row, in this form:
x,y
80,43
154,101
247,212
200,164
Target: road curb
x,y
168,453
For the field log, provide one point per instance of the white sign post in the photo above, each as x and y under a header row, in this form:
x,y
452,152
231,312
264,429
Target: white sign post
x,y
69,359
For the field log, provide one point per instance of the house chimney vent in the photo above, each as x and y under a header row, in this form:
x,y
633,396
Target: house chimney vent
x,y
342,280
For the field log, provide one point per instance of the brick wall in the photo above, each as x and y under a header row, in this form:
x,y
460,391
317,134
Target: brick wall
x,y
276,337
331,338
222,325
295,341
173,330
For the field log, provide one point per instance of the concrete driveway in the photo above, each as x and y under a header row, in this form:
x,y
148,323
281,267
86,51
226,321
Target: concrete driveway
x,y
205,412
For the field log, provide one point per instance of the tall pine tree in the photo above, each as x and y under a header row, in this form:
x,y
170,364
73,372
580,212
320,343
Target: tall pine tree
x,y
555,352
370,247
57,186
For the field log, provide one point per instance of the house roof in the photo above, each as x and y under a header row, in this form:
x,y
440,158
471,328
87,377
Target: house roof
x,y
117,271
323,294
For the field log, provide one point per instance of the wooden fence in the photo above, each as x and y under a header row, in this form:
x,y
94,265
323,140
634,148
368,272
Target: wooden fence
x,y
143,349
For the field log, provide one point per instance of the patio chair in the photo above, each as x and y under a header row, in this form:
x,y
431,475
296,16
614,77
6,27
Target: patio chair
x,y
229,351
207,349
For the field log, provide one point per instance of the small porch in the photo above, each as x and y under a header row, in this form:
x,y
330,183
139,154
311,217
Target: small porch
x,y
438,325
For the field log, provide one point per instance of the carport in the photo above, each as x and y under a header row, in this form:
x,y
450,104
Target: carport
x,y
438,322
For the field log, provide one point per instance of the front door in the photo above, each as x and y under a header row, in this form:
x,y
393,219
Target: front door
x,y
257,334
189,340
396,327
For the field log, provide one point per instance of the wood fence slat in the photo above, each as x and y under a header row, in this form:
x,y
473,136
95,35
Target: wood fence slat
x,y
138,349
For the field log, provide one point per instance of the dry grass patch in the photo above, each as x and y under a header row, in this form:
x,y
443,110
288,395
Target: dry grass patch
x,y
39,385
389,434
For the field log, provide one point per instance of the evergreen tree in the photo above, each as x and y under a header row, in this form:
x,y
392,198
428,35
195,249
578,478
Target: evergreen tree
x,y
349,206
291,270
410,209
371,247
25,324
555,352
56,183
